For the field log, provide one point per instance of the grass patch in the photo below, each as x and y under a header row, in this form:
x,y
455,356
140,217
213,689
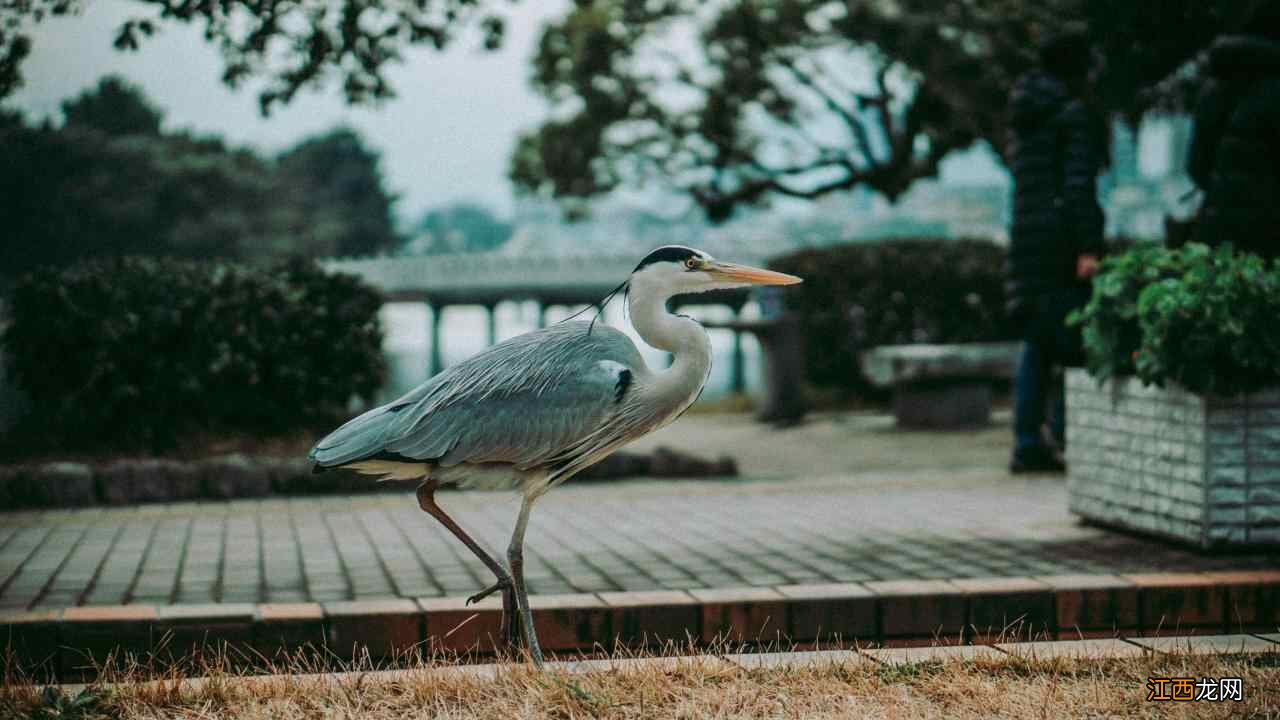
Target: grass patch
x,y
707,685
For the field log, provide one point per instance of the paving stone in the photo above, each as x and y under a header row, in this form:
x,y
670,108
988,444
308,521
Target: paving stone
x,y
1210,644
920,641
753,661
289,612
1073,649
931,653
340,548
674,664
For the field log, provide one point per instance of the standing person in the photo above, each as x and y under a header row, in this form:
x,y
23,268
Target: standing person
x,y
1056,150
1235,148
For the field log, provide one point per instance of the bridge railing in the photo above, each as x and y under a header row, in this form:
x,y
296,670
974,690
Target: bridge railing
x,y
484,278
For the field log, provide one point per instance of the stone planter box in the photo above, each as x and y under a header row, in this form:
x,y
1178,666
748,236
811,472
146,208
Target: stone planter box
x,y
1200,469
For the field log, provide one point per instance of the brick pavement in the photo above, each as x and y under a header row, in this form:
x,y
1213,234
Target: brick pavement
x,y
640,535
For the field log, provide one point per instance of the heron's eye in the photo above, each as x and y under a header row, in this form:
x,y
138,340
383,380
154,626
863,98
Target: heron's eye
x,y
691,262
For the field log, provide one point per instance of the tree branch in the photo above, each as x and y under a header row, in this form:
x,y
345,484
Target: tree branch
x,y
856,128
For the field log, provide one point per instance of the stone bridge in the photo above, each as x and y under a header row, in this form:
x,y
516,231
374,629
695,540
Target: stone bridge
x,y
486,279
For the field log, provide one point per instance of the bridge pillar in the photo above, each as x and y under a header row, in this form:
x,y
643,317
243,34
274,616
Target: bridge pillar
x,y
435,365
492,323
542,315
738,380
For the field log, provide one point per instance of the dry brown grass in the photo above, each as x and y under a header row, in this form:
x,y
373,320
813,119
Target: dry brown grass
x,y
705,686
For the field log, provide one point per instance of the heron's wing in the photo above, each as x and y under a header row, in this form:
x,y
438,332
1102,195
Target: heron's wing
x,y
538,399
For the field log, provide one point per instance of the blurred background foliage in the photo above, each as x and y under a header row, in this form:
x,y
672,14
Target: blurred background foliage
x,y
111,182
291,45
855,297
461,227
138,354
729,104
733,104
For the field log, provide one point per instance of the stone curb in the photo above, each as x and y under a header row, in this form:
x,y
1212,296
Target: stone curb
x,y
1110,649
891,614
128,481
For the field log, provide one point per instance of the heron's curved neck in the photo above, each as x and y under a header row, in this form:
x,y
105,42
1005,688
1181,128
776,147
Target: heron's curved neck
x,y
676,334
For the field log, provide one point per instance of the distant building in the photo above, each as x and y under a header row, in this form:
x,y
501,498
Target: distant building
x,y
931,209
1147,180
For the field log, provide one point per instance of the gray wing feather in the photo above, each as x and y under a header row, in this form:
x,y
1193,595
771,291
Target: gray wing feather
x,y
526,401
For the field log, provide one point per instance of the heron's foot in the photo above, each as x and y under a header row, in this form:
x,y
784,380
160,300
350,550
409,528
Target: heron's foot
x,y
502,584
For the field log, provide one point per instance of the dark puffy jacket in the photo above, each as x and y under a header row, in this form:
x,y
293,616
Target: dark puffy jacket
x,y
1056,149
1235,151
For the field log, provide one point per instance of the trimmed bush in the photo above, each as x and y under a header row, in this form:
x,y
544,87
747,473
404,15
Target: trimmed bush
x,y
855,297
142,353
1204,319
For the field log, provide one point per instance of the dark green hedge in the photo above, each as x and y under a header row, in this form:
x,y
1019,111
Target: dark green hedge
x,y
140,353
856,297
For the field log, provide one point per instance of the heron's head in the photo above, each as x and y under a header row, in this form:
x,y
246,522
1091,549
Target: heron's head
x,y
675,270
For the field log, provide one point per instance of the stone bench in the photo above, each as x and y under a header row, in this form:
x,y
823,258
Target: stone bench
x,y
941,386
782,347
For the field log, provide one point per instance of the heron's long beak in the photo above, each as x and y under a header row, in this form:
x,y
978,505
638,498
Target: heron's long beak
x,y
747,274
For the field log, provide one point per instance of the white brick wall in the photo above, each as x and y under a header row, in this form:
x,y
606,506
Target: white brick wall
x,y
1169,462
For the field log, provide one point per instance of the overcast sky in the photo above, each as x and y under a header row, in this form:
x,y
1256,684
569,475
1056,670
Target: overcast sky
x,y
445,137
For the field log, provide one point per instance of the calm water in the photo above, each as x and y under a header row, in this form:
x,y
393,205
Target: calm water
x,y
408,340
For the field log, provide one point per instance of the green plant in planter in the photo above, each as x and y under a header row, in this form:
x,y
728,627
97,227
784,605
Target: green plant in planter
x,y
1201,318
1110,329
1213,329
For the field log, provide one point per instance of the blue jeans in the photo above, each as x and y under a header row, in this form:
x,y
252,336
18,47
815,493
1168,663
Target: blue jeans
x,y
1038,390
1034,399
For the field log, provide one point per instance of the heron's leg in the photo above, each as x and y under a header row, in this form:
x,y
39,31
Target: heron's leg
x,y
427,501
515,558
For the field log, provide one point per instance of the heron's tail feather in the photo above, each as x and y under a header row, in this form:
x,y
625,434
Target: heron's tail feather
x,y
358,439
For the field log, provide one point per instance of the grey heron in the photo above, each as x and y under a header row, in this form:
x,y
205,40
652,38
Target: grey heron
x,y
530,412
